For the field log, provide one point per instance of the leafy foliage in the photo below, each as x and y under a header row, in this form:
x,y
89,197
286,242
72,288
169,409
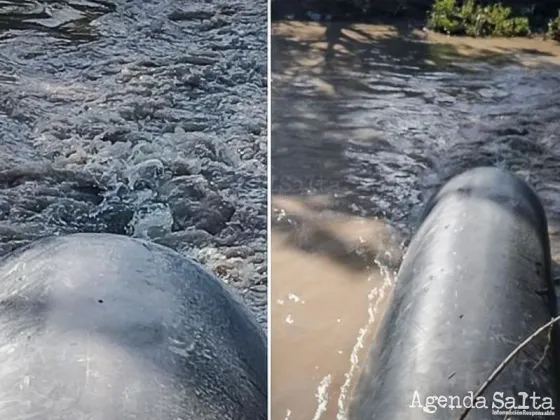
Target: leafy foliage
x,y
475,20
554,27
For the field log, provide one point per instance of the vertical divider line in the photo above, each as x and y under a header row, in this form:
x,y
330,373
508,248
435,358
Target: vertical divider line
x,y
269,201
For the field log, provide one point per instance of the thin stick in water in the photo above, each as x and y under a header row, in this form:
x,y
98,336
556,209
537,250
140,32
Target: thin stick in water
x,y
504,363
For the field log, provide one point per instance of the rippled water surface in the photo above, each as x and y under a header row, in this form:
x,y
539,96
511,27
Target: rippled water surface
x,y
140,117
367,122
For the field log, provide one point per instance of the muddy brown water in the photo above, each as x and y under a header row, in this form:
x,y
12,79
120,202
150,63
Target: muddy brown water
x,y
367,121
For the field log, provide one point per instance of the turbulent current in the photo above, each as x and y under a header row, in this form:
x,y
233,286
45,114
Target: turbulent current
x,y
145,118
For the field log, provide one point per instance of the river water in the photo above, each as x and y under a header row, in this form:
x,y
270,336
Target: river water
x,y
138,117
367,121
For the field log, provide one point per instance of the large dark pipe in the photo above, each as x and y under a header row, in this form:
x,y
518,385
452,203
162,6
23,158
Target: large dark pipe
x,y
105,327
475,282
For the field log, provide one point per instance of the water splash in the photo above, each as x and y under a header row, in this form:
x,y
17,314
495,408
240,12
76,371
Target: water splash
x,y
322,396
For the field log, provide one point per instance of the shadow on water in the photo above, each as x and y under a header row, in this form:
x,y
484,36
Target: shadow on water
x,y
367,122
305,231
66,19
352,108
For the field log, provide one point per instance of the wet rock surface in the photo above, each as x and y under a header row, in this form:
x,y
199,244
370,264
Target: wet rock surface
x,y
142,118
